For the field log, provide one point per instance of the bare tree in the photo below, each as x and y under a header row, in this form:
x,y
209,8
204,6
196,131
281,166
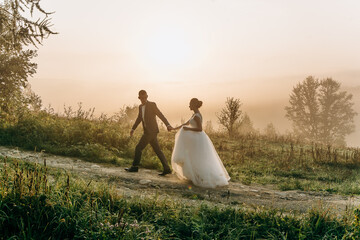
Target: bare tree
x,y
320,112
230,114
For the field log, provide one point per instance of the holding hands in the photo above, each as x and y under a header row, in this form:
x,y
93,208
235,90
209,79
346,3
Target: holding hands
x,y
169,128
177,128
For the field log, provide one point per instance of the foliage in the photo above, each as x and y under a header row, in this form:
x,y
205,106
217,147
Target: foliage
x,y
31,100
289,163
41,203
74,134
230,114
320,112
284,161
245,126
233,119
15,68
127,115
17,31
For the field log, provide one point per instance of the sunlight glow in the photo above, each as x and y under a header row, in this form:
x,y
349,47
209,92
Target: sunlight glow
x,y
167,47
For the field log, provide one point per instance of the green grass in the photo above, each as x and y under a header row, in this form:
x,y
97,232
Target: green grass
x,y
37,202
282,161
288,164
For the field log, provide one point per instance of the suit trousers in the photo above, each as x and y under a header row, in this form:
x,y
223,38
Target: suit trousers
x,y
144,141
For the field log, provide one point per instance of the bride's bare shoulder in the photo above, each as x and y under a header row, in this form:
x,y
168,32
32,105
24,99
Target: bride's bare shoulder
x,y
198,115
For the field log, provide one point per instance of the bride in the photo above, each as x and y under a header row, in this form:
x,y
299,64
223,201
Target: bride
x,y
194,156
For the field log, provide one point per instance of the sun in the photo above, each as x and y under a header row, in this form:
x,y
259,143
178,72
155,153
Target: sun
x,y
168,47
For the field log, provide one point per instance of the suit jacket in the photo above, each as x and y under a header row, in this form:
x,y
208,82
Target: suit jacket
x,y
149,123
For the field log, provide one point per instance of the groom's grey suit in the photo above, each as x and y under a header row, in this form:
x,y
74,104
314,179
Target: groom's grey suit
x,y
151,129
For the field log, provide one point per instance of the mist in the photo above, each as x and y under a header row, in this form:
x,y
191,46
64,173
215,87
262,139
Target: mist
x,y
263,107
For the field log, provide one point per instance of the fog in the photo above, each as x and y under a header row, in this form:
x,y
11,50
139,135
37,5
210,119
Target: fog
x,y
263,107
255,51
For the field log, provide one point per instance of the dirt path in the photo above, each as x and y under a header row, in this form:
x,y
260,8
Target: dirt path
x,y
147,183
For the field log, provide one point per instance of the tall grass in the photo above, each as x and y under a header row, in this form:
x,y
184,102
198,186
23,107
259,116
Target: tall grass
x,y
283,161
291,164
41,203
97,139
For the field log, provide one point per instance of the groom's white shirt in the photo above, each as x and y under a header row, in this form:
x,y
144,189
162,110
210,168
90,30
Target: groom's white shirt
x,y
143,112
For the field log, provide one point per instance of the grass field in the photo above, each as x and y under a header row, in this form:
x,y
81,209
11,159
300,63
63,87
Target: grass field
x,y
282,161
38,202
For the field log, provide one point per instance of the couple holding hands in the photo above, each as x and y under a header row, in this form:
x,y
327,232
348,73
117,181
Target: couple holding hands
x,y
193,158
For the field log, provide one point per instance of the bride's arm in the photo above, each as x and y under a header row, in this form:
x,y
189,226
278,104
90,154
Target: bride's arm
x,y
184,124
198,123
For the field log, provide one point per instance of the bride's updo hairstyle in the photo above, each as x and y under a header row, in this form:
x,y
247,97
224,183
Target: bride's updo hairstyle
x,y
196,102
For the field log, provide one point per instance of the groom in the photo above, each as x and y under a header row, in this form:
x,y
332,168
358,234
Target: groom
x,y
147,116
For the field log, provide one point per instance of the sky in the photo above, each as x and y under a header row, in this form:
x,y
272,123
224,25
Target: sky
x,y
253,50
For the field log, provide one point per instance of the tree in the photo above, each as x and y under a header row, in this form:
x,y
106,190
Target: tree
x,y
32,100
320,112
17,31
245,126
230,114
270,130
15,68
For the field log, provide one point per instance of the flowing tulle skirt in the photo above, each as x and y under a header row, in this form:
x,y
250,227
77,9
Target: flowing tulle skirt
x,y
195,158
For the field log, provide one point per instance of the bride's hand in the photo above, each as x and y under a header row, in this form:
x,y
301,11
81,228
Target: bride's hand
x,y
177,128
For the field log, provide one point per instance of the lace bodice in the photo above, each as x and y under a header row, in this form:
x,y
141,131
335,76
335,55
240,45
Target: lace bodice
x,y
192,121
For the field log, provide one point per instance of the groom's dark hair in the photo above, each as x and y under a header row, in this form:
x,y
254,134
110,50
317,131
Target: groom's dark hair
x,y
142,92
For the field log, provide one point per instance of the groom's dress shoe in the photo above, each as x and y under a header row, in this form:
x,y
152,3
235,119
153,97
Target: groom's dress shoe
x,y
165,172
132,169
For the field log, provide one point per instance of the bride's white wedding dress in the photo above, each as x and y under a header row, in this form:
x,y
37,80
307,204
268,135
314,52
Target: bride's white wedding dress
x,y
195,158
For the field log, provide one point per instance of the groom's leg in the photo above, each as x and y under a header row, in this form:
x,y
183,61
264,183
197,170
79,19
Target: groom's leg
x,y
138,149
155,145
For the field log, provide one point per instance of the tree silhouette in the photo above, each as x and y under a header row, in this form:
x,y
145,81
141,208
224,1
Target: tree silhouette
x,y
245,125
270,130
320,112
230,114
